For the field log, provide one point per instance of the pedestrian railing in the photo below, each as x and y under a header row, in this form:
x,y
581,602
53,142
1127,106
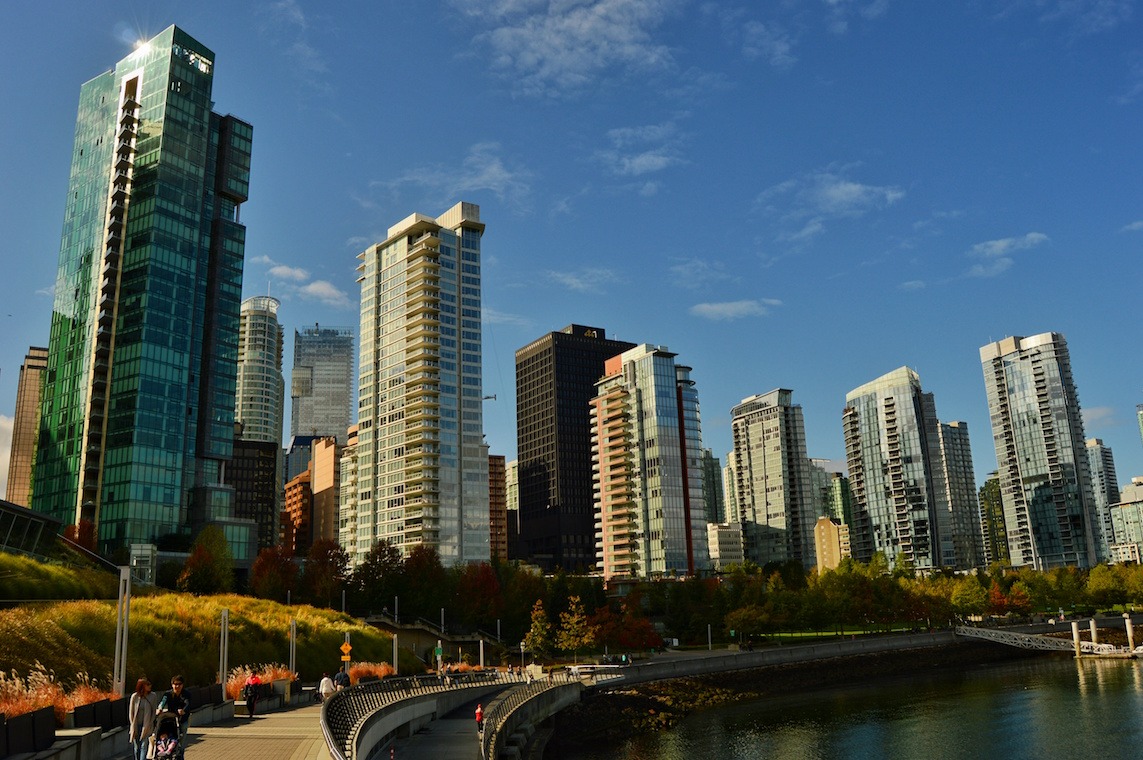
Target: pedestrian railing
x,y
344,712
497,716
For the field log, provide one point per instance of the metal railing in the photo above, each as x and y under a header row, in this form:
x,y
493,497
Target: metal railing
x,y
344,712
1034,641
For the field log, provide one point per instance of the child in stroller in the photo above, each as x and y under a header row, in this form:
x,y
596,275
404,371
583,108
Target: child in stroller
x,y
165,739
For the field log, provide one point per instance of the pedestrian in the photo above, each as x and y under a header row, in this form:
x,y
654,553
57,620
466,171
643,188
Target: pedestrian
x,y
341,679
326,687
479,719
250,693
141,710
177,702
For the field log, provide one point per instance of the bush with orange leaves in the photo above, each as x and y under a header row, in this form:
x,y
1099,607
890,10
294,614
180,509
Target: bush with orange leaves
x,y
370,670
41,689
272,671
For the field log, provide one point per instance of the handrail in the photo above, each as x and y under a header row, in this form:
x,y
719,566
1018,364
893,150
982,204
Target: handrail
x,y
345,712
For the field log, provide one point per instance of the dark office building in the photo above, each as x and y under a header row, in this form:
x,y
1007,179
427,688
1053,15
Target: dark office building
x,y
555,382
253,473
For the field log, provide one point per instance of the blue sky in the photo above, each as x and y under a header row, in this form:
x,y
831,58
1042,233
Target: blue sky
x,y
801,193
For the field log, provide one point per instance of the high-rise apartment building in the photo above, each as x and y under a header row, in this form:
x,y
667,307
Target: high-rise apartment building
x,y
512,507
992,521
1037,429
259,399
962,545
647,466
892,447
712,492
497,508
555,382
772,479
25,427
347,533
321,382
137,414
422,474
1105,489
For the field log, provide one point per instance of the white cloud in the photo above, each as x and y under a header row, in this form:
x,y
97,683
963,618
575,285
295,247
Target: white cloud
x,y
49,291
1088,16
284,272
6,423
1133,227
755,39
697,273
729,310
1099,418
482,169
993,268
811,200
912,285
994,248
636,151
840,12
290,28
327,293
494,317
591,280
557,47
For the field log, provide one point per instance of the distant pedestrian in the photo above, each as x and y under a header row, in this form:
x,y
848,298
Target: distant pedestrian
x,y
341,679
326,687
141,710
250,693
479,719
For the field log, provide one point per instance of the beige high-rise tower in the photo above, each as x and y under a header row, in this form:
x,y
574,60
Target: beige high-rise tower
x,y
25,427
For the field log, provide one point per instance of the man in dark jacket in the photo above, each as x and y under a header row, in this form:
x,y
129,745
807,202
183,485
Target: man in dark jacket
x,y
177,701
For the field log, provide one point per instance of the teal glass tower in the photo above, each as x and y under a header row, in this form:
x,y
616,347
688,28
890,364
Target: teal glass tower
x,y
137,409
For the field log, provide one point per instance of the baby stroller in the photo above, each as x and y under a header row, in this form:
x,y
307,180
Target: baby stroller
x,y
165,738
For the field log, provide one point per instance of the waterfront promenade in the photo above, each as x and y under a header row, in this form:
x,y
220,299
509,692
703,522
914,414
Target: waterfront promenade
x,y
288,734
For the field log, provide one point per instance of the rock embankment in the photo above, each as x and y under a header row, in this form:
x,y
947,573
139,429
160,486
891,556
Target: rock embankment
x,y
609,717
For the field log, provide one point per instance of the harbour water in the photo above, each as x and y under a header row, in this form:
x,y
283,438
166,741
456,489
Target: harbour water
x,y
1046,707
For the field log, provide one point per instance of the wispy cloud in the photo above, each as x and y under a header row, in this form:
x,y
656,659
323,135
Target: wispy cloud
x,y
805,203
754,39
1099,418
1134,85
636,151
696,274
288,23
996,255
729,310
284,272
494,317
842,11
555,48
591,280
483,169
1087,17
912,285
294,282
1133,227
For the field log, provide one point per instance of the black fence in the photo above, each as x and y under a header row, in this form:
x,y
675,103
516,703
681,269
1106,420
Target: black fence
x,y
31,732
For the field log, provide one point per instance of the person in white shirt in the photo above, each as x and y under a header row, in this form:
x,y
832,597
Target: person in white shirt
x,y
326,687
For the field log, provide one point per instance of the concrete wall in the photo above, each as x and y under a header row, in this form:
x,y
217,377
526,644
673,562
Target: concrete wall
x,y
407,716
536,710
693,666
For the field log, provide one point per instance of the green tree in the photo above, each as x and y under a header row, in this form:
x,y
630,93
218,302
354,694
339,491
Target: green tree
x,y
575,632
377,578
1106,586
539,637
273,574
969,597
210,567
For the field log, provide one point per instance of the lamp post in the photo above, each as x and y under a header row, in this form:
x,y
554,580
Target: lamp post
x,y
521,655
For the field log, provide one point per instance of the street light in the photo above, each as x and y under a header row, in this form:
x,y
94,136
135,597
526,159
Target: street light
x,y
521,655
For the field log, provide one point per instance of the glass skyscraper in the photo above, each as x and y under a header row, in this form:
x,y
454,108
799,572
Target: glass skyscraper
x,y
892,449
137,417
1037,428
321,383
422,464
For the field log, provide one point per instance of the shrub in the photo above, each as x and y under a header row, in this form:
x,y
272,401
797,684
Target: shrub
x,y
369,670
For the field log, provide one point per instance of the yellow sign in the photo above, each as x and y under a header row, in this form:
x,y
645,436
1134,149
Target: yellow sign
x,y
345,648
345,658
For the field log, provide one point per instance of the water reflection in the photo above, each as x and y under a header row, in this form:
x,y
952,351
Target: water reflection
x,y
1040,708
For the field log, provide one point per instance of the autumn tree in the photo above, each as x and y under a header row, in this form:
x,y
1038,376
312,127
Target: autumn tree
x,y
479,600
576,632
378,578
210,567
538,639
273,574
325,573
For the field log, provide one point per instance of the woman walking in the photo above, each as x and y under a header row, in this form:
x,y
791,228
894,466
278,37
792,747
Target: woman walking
x,y
141,709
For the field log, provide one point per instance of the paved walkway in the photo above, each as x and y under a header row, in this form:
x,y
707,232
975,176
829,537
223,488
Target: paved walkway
x,y
292,734
450,737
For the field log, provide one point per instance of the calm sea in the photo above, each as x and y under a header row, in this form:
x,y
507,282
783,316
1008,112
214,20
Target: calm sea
x,y
1053,707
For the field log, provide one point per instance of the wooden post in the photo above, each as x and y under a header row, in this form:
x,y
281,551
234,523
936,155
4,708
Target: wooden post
x,y
1130,632
1075,636
1094,634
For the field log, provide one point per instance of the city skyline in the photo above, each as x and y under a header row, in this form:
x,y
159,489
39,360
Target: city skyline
x,y
878,180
